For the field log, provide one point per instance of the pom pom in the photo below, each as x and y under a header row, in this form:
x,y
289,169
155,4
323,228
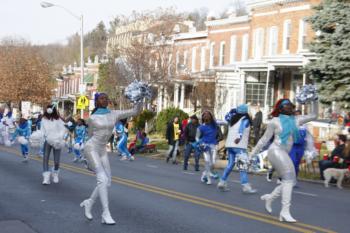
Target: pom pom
x,y
78,146
36,139
8,143
306,94
22,140
137,90
230,114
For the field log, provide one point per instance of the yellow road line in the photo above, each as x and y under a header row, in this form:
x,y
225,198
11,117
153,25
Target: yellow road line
x,y
300,227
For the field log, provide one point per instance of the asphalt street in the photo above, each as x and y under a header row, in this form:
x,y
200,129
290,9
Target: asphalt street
x,y
151,196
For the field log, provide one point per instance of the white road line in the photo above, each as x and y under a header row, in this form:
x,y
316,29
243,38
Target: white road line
x,y
306,194
189,173
151,166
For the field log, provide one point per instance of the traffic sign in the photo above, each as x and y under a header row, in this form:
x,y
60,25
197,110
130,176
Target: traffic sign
x,y
82,102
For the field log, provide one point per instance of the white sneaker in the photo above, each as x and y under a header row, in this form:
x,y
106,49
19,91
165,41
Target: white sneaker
x,y
132,158
222,186
247,188
124,158
208,180
204,177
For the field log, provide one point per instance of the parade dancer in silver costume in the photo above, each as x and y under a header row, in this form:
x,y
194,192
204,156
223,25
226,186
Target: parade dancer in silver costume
x,y
284,128
101,124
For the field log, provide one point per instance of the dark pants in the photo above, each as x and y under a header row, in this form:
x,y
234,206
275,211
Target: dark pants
x,y
46,157
188,149
324,164
256,134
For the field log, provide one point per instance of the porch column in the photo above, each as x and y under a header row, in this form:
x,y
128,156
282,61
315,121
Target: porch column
x,y
242,88
63,107
176,95
266,108
166,96
160,98
182,96
304,83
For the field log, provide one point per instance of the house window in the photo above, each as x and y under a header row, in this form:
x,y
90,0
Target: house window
x,y
245,41
203,58
258,43
233,46
222,54
273,41
212,50
302,43
287,33
194,56
185,58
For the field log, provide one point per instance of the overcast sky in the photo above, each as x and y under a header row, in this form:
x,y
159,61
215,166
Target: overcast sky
x,y
28,19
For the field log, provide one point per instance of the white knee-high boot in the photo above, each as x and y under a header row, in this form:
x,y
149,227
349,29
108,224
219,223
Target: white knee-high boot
x,y
88,203
106,215
287,189
269,198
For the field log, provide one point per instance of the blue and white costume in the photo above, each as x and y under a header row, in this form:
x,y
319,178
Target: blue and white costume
x,y
206,142
238,151
23,134
122,142
79,140
101,124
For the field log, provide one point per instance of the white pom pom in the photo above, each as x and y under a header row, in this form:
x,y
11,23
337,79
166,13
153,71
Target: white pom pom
x,y
78,146
306,94
7,143
137,90
21,140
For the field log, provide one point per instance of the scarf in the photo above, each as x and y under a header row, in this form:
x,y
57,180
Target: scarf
x,y
102,111
288,127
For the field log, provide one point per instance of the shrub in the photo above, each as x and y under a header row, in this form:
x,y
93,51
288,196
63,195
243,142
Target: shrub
x,y
140,120
167,115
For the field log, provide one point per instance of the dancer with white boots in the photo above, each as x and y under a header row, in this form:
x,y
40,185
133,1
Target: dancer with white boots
x,y
53,130
284,128
101,124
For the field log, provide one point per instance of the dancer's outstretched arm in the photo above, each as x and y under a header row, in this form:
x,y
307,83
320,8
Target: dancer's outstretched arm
x,y
121,114
313,115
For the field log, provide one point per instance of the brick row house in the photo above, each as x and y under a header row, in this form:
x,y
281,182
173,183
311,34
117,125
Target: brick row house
x,y
255,58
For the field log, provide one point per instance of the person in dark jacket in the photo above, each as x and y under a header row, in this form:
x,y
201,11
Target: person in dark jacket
x,y
173,133
257,121
190,137
339,157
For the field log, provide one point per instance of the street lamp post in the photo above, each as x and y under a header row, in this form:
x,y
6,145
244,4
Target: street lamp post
x,y
80,18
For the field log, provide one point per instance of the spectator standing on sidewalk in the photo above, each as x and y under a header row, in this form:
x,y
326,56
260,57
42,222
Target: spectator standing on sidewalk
x,y
173,133
190,132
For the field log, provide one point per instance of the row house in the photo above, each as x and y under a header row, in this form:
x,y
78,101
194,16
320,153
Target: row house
x,y
67,90
256,58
